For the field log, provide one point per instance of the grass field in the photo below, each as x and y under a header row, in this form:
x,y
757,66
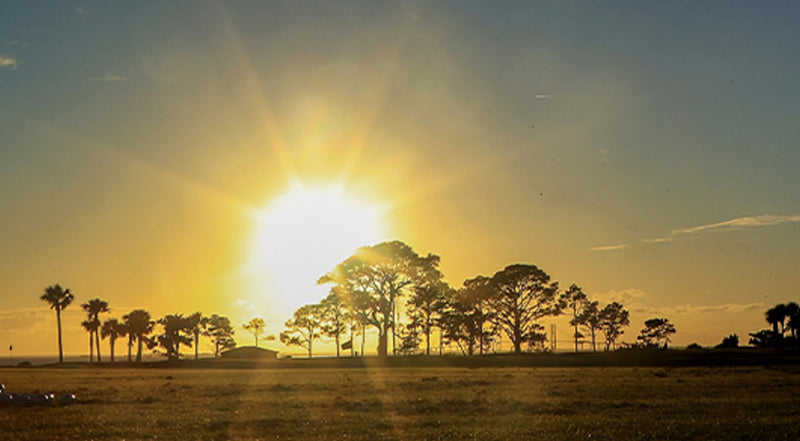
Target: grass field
x,y
520,403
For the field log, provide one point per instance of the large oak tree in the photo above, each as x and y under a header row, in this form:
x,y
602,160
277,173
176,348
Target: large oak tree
x,y
523,295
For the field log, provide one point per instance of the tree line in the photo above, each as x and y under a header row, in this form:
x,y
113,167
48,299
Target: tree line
x,y
138,326
783,318
400,294
390,288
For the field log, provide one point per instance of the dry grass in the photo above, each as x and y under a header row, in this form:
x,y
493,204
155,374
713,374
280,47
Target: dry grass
x,y
410,403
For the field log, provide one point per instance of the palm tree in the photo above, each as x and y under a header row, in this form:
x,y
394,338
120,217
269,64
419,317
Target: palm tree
x,y
199,325
112,329
91,327
59,299
793,314
139,325
93,309
776,315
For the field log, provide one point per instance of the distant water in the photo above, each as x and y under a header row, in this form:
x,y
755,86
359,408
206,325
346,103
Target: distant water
x,y
38,360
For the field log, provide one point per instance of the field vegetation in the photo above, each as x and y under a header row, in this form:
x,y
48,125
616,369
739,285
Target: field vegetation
x,y
414,403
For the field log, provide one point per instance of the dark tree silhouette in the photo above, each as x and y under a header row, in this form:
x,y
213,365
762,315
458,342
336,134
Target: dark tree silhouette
x,y
576,301
476,294
199,325
777,316
375,277
731,341
524,294
591,320
220,331
764,338
91,326
177,331
58,299
466,317
612,319
793,314
425,305
112,329
93,309
409,338
334,318
655,331
303,328
139,325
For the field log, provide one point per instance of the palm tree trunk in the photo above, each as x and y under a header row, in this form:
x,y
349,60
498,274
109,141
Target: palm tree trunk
x,y
97,343
139,351
196,342
60,346
91,347
337,345
111,341
130,347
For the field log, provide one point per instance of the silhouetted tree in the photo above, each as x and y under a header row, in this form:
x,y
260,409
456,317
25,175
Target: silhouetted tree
x,y
612,319
409,338
139,325
91,327
777,316
303,328
655,331
523,295
591,320
576,301
376,276
764,338
220,331
257,327
112,329
93,309
476,294
58,299
731,341
177,331
334,318
793,314
425,305
466,318
199,324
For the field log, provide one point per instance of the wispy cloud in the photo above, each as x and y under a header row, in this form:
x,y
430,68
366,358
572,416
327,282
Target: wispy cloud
x,y
690,309
635,300
544,96
621,246
728,225
109,78
8,62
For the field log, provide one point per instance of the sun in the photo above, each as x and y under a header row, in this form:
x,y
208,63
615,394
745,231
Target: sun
x,y
304,233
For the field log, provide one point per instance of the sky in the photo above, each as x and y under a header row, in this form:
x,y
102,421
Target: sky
x,y
647,152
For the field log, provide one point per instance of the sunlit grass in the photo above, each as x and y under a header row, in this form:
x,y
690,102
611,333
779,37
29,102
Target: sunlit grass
x,y
410,403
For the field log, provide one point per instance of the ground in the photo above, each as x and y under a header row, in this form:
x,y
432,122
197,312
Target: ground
x,y
411,403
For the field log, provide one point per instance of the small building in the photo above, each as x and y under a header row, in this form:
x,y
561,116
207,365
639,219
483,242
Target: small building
x,y
250,353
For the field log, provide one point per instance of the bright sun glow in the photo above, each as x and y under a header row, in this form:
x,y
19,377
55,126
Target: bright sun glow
x,y
303,234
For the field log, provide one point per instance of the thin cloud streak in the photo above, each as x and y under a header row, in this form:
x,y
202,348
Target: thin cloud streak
x,y
728,225
108,78
8,62
621,246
